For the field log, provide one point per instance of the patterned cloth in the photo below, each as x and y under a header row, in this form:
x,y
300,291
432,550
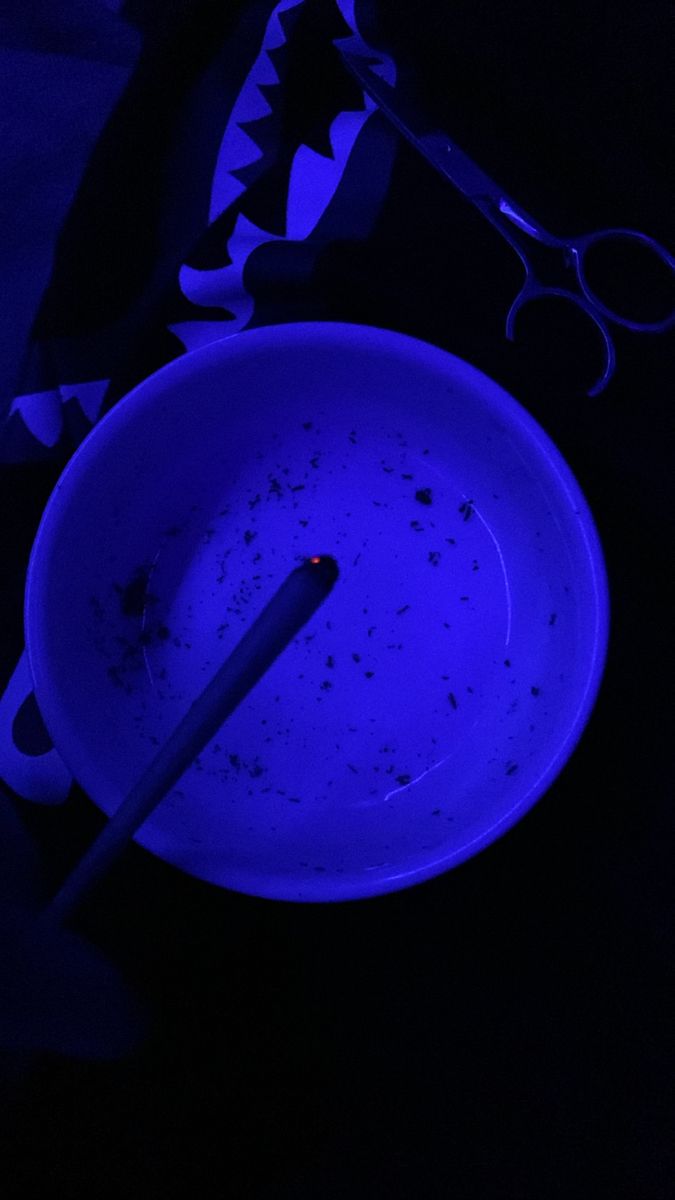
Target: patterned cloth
x,y
218,180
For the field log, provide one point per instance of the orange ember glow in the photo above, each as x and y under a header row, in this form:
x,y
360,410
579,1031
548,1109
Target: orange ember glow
x,y
315,558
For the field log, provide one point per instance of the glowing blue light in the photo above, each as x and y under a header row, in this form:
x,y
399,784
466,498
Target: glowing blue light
x,y
442,685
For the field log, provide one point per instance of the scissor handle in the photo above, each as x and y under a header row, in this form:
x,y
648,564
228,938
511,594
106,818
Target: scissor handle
x,y
578,247
532,290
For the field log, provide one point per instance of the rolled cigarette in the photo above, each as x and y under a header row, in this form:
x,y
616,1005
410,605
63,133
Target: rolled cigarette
x,y
288,610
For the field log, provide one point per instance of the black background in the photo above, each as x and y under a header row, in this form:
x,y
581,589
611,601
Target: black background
x,y
503,1031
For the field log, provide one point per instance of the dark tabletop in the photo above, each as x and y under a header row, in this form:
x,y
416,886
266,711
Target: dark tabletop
x,y
502,1031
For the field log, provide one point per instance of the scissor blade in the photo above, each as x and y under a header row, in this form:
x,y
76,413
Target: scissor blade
x,y
410,120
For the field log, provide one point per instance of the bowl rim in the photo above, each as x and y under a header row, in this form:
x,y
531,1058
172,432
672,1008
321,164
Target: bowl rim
x,y
341,887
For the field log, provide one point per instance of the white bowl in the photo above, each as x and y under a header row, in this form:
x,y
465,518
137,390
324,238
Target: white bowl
x,y
434,696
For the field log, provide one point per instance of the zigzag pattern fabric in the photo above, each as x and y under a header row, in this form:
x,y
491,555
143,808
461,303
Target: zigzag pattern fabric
x,y
70,380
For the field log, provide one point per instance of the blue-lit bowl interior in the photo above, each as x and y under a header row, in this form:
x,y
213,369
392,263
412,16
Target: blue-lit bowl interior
x,y
432,698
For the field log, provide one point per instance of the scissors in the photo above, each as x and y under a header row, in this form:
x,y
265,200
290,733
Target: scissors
x,y
516,226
